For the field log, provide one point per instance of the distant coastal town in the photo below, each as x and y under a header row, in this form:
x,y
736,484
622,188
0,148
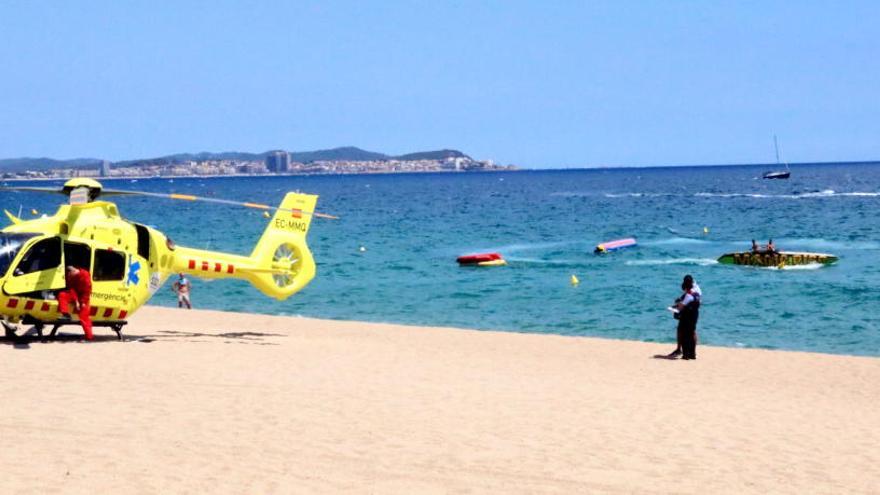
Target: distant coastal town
x,y
348,160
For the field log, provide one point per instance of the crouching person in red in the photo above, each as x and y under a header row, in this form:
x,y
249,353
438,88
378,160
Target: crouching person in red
x,y
77,294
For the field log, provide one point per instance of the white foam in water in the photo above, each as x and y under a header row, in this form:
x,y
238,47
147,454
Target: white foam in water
x,y
676,240
811,266
827,193
674,261
514,259
513,248
638,195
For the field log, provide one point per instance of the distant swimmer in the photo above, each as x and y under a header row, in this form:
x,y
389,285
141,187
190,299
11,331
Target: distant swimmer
x,y
755,248
771,248
182,287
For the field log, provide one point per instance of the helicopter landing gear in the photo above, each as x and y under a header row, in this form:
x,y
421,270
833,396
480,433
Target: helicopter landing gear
x,y
9,329
116,326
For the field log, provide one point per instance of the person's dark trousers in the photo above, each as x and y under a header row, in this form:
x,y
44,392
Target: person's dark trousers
x,y
687,334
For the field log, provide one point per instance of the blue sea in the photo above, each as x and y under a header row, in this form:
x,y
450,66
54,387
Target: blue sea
x,y
546,223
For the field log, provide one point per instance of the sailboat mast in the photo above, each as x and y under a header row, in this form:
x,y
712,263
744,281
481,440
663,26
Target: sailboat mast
x,y
776,145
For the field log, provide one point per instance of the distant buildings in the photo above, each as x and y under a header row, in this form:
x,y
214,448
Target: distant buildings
x,y
278,161
275,162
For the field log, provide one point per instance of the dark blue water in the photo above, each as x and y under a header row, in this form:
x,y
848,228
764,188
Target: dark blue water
x,y
546,223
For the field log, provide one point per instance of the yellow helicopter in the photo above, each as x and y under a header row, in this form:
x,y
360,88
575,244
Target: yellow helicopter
x,y
129,262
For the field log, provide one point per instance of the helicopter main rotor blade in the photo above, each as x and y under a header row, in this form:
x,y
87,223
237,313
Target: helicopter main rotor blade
x,y
190,197
33,189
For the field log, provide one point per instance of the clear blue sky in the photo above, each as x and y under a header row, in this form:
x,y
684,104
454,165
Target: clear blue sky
x,y
539,84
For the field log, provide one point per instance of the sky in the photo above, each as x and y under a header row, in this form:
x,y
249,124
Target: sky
x,y
537,84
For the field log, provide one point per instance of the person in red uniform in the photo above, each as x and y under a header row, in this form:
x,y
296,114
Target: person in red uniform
x,y
78,293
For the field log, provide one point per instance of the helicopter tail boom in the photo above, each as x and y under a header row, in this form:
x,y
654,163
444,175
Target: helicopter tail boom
x,y
280,264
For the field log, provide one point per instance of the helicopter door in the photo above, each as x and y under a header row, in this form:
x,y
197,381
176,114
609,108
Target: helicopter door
x,y
40,268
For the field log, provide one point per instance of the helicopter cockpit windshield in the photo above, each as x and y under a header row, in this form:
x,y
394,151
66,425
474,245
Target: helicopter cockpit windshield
x,y
10,245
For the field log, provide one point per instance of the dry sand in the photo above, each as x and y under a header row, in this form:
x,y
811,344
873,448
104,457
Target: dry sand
x,y
213,402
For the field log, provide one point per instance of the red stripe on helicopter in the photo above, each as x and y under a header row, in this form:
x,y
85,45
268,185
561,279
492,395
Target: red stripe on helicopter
x,y
108,312
230,269
192,264
205,266
218,267
29,305
44,307
94,311
12,303
122,314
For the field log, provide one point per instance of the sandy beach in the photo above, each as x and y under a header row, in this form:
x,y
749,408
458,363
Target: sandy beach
x,y
214,402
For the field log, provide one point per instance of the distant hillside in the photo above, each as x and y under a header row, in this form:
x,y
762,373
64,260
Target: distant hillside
x,y
22,164
349,153
196,157
432,155
346,153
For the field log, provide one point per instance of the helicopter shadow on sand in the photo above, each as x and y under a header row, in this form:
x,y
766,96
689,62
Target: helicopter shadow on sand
x,y
31,336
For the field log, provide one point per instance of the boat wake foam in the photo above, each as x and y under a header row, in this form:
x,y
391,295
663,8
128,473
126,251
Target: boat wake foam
x,y
676,241
827,193
674,261
811,266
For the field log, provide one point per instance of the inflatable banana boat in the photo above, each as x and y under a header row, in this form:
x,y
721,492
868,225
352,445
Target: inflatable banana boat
x,y
779,258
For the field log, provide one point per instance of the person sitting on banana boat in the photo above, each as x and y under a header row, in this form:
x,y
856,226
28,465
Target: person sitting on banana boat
x,y
770,248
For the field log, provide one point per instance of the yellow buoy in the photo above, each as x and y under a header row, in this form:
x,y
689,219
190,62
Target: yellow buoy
x,y
362,249
705,230
574,280
34,212
266,214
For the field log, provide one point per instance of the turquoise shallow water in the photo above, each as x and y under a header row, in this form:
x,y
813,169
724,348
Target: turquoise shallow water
x,y
546,223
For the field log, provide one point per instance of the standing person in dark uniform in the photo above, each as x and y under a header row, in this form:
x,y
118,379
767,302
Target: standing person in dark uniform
x,y
688,314
696,292
77,294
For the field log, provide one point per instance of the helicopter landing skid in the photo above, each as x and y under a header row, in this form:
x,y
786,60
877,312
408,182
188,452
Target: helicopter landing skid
x,y
116,326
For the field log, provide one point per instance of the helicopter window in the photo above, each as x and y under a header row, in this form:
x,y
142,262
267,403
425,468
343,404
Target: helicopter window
x,y
143,241
78,255
44,255
10,244
109,265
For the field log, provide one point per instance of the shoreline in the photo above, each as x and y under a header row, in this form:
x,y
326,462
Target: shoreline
x,y
242,403
669,344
